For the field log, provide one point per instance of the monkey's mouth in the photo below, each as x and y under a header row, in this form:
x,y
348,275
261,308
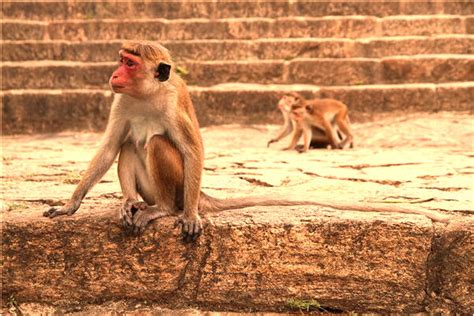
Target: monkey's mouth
x,y
117,87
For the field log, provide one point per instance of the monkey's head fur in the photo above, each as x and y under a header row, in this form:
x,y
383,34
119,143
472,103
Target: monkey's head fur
x,y
288,100
143,68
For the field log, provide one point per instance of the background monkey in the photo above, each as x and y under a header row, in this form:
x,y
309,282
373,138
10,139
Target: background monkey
x,y
153,128
322,113
318,139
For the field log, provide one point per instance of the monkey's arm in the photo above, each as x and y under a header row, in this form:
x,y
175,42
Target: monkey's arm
x,y
297,132
100,163
286,130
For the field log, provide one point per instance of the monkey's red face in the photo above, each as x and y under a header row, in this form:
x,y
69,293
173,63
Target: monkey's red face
x,y
127,77
286,102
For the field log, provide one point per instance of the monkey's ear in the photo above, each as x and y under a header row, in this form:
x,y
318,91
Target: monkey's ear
x,y
163,71
309,109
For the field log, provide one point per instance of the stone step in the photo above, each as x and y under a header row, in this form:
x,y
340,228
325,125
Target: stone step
x,y
326,71
242,28
313,254
217,10
43,111
281,48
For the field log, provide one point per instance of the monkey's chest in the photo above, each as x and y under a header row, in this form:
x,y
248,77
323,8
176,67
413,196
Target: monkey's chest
x,y
142,129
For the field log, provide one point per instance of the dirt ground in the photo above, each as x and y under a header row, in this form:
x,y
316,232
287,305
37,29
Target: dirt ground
x,y
423,161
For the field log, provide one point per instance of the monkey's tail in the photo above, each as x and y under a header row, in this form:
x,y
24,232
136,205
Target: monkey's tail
x,y
212,204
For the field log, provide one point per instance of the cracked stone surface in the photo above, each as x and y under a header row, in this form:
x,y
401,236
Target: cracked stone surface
x,y
256,258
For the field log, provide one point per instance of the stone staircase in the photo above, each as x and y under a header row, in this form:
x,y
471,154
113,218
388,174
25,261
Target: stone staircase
x,y
237,57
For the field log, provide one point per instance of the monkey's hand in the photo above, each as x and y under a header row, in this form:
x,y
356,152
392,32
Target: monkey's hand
x,y
271,141
191,228
69,209
128,209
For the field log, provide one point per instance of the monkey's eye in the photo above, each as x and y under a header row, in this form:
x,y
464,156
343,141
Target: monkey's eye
x,y
127,62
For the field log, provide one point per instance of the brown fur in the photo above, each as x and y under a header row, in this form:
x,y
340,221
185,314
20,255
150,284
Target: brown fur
x,y
318,139
322,113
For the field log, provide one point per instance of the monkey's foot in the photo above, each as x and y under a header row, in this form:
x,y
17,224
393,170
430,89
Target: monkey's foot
x,y
145,215
127,211
191,228
65,210
300,149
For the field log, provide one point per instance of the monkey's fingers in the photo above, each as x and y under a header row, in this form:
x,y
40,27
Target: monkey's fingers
x,y
126,216
271,141
190,229
53,212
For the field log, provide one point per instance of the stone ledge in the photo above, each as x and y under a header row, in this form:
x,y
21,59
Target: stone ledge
x,y
44,111
175,10
326,71
244,28
288,49
255,258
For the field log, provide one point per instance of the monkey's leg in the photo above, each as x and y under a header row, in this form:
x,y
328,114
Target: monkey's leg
x,y
134,181
306,140
344,126
165,170
331,134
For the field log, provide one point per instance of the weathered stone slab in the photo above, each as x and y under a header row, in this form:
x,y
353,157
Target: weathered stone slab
x,y
470,25
242,260
24,30
56,75
421,25
451,267
47,111
427,69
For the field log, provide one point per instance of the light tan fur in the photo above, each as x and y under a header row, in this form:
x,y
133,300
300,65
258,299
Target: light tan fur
x,y
318,139
320,113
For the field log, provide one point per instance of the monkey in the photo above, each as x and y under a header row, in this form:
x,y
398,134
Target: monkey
x,y
323,113
154,131
150,100
318,139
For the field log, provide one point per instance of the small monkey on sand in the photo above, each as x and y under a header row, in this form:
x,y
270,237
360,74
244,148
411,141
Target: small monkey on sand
x,y
318,135
326,114
154,131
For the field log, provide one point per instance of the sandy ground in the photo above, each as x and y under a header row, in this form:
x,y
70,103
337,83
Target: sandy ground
x,y
425,159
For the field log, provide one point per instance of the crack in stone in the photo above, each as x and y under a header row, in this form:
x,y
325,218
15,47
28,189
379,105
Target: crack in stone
x,y
256,182
448,189
384,182
363,166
